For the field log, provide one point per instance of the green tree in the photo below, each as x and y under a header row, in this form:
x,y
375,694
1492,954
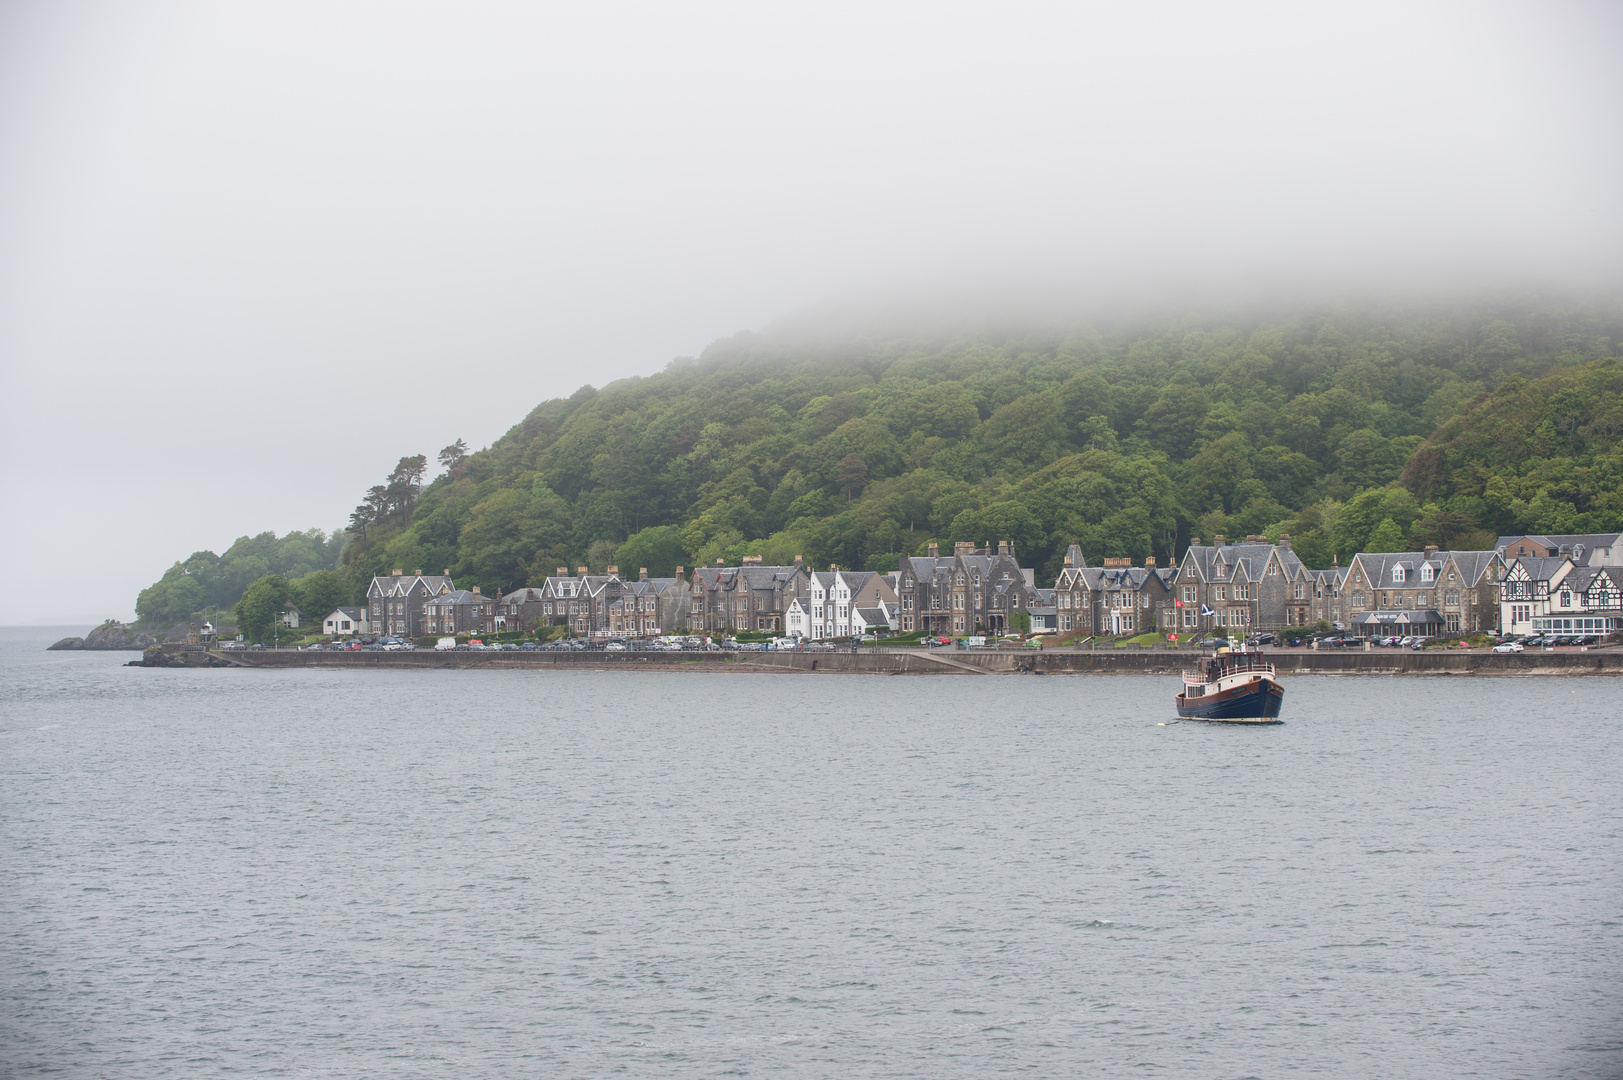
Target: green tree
x,y
318,593
261,603
658,547
1388,536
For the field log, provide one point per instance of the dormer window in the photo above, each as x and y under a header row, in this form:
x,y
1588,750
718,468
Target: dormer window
x,y
1397,574
1427,573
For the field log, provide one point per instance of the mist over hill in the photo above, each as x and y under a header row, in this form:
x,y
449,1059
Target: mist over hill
x,y
1346,426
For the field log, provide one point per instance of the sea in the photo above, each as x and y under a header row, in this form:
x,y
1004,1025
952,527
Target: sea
x,y
468,874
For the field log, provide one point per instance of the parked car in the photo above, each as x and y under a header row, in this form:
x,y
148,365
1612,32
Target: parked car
x,y
1264,638
1213,643
1508,647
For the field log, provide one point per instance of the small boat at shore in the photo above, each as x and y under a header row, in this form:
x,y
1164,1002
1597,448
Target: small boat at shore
x,y
1233,687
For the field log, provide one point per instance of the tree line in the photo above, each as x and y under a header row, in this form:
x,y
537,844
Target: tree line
x,y
1375,428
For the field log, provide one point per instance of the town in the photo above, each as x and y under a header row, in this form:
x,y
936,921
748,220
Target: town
x,y
1557,586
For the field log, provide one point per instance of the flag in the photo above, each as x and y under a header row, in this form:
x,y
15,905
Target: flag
x,y
1177,603
1206,611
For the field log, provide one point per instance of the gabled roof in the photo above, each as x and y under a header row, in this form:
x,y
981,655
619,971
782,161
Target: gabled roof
x,y
1539,568
1246,561
457,597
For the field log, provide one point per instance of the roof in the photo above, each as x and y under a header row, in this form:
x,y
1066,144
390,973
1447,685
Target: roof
x,y
352,612
1224,563
459,596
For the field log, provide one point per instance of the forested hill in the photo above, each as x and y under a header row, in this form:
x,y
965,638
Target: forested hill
x,y
1129,440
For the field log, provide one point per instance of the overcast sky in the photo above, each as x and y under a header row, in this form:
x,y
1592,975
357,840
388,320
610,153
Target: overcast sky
x,y
253,253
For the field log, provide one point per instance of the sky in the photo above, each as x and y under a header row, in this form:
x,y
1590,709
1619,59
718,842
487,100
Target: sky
x,y
251,254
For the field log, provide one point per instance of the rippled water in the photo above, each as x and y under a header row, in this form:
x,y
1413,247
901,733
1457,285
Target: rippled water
x,y
686,874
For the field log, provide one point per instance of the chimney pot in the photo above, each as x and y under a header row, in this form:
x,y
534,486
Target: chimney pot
x,y
476,590
397,573
1218,540
563,571
1149,563
935,550
1194,541
720,561
581,570
642,573
613,569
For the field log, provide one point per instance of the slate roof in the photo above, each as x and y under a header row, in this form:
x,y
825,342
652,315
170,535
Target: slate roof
x,y
1214,563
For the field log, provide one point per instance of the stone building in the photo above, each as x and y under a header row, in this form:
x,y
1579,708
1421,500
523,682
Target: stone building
x,y
750,597
975,590
459,611
1113,600
394,604
1247,587
1427,592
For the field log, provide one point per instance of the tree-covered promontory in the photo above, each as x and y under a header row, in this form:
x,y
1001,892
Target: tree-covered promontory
x,y
1347,427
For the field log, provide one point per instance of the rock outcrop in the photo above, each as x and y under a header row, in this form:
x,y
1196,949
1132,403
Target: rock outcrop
x,y
111,636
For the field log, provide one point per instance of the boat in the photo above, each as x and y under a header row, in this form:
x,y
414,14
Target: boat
x,y
1234,687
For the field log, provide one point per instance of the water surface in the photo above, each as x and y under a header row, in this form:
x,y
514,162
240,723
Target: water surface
x,y
481,874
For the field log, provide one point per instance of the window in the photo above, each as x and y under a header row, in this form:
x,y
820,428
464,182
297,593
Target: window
x,y
1426,573
1451,597
1220,592
1397,574
1300,591
1189,594
1566,598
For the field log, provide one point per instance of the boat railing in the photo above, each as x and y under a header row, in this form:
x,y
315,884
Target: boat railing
x,y
1234,664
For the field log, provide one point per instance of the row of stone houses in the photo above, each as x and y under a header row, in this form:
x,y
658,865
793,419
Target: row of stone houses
x,y
1527,584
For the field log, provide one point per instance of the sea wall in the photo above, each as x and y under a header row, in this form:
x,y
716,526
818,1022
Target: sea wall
x,y
914,662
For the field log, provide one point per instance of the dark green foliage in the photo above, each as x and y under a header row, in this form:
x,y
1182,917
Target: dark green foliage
x,y
1129,440
206,582
261,602
1542,455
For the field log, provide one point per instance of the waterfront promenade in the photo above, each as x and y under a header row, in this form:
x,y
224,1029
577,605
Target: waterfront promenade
x,y
883,661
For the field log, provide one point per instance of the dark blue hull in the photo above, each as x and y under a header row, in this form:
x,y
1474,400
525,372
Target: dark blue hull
x,y
1256,702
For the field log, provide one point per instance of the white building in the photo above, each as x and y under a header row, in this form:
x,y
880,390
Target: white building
x,y
345,622
1559,596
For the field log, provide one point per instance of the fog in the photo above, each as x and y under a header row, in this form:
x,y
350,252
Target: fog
x,y
251,254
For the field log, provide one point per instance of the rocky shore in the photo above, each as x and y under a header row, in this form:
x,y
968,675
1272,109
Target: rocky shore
x,y
111,636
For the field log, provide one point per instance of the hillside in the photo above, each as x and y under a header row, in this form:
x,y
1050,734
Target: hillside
x,y
1130,439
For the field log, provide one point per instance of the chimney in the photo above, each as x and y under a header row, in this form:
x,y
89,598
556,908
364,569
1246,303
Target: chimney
x,y
751,560
720,561
642,573
397,573
935,551
476,590
563,571
797,560
1149,563
1431,552
1219,540
679,576
1194,541
963,547
1068,560
581,571
613,569
1285,541
1002,547
1118,563
416,573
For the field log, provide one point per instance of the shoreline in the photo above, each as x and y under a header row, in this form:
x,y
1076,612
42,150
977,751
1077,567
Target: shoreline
x,y
901,662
